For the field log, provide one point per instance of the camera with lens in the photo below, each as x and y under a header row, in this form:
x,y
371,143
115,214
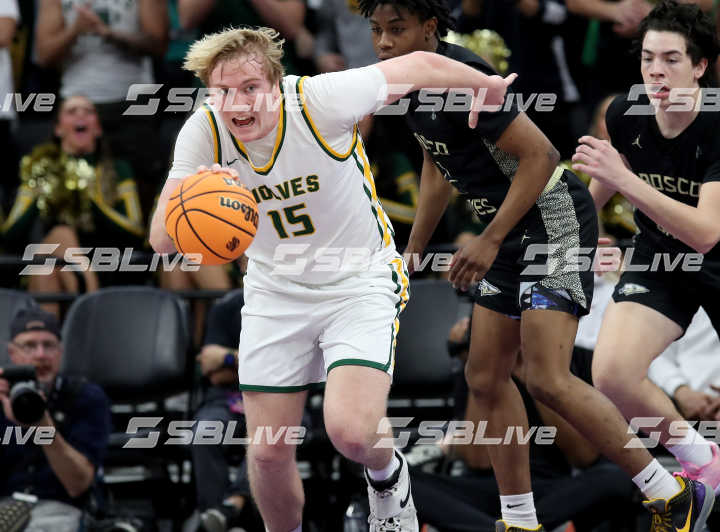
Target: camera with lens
x,y
28,404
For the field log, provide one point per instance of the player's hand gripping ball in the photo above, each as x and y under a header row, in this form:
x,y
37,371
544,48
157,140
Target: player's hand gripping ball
x,y
212,214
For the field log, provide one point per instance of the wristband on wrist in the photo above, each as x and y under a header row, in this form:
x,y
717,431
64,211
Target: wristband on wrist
x,y
230,360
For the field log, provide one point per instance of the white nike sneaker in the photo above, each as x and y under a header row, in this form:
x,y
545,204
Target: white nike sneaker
x,y
391,503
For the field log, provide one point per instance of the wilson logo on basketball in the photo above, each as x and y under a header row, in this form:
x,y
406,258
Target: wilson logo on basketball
x,y
234,243
251,214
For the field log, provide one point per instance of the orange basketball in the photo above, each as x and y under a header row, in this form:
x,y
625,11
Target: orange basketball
x,y
211,214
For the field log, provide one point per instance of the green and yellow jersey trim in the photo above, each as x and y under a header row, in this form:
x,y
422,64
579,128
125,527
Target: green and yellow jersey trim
x,y
215,133
313,129
402,284
371,192
279,139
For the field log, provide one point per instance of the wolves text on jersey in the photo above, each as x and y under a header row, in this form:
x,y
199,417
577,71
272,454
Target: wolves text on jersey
x,y
287,189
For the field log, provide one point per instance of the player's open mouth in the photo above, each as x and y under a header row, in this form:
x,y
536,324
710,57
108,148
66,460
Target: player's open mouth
x,y
659,91
243,123
81,128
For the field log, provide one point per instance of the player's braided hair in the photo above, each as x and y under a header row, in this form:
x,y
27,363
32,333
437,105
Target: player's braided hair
x,y
697,28
424,9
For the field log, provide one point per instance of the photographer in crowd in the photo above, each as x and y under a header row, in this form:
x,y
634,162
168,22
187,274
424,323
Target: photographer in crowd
x,y
61,473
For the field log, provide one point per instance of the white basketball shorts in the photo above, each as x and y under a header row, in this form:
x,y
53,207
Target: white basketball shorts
x,y
294,334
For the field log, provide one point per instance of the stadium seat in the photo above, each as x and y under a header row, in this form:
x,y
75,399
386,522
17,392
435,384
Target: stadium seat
x,y
134,341
423,368
10,302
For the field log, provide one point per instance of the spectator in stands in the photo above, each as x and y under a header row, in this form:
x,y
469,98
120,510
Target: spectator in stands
x,y
103,48
222,504
285,16
72,193
342,40
535,32
605,60
572,482
63,473
9,15
689,371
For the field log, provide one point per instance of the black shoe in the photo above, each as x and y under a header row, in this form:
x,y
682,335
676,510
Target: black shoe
x,y
220,519
685,512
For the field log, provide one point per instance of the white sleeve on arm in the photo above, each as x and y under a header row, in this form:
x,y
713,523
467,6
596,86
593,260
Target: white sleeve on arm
x,y
194,146
338,100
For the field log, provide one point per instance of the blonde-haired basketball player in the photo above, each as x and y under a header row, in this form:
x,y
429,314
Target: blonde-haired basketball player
x,y
325,285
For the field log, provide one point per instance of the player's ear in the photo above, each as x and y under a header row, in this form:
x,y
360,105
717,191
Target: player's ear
x,y
430,27
699,69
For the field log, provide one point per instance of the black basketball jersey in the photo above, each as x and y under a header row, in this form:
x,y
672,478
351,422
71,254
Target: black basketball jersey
x,y
469,158
676,167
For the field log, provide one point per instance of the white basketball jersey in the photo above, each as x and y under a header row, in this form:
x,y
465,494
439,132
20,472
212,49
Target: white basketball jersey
x,y
319,213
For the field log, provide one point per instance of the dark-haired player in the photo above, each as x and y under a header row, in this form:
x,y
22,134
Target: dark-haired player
x,y
508,169
672,175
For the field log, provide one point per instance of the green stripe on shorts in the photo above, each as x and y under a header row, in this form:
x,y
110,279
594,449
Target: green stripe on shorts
x,y
358,362
280,389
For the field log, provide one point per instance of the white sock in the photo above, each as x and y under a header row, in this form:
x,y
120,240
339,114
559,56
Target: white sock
x,y
298,529
656,483
692,448
519,510
386,472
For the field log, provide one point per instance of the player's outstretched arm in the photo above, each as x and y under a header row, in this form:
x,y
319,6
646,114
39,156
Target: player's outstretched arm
x,y
159,239
698,227
434,195
418,70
